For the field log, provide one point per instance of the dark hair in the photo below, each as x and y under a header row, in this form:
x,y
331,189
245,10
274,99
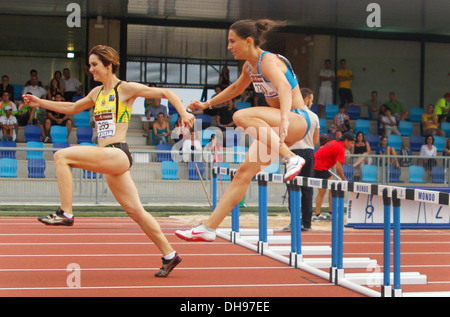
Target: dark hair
x,y
255,29
107,55
429,136
306,92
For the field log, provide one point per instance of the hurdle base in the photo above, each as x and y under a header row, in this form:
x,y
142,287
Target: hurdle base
x,y
397,293
262,246
306,250
295,259
386,291
376,279
354,263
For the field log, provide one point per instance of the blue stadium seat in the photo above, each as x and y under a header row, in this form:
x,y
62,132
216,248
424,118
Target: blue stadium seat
x,y
60,145
369,173
416,174
8,167
445,126
160,157
415,143
17,92
405,128
348,172
323,125
330,111
205,120
416,114
192,170
58,133
395,141
439,143
438,174
393,173
82,119
243,105
374,141
36,168
354,112
169,170
84,134
32,133
362,125
33,154
8,153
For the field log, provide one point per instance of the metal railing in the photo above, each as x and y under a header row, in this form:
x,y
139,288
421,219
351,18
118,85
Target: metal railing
x,y
91,188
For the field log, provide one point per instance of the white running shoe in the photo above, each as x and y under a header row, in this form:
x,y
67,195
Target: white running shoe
x,y
199,233
294,165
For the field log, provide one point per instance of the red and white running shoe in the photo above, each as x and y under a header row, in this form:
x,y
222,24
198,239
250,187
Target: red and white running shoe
x,y
199,233
294,165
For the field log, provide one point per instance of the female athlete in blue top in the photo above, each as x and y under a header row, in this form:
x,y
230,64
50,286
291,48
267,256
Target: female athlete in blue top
x,y
274,128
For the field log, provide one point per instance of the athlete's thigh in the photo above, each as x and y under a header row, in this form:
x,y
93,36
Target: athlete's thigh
x,y
297,124
124,190
96,159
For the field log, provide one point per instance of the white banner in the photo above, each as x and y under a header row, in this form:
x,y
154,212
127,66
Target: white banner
x,y
368,210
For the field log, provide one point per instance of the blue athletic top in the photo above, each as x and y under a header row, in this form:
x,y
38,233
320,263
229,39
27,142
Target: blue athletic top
x,y
265,86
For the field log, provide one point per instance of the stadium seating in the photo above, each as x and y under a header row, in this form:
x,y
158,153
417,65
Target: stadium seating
x,y
36,168
243,105
415,143
192,170
8,153
405,128
32,133
439,143
169,170
369,173
438,174
8,167
445,126
416,114
82,119
348,172
393,173
273,168
239,154
84,134
354,112
58,133
35,154
160,157
395,141
362,125
416,174
330,111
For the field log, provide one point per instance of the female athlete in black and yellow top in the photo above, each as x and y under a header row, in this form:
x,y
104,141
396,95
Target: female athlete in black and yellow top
x,y
113,101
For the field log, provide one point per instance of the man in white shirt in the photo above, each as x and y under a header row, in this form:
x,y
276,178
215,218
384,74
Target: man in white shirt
x,y
389,123
8,125
305,149
72,85
327,77
189,146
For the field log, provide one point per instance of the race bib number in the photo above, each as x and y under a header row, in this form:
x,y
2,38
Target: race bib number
x,y
106,125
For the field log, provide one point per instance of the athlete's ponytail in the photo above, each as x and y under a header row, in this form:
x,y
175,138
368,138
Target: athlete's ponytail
x,y
255,29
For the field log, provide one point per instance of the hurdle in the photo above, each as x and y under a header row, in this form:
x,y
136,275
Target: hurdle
x,y
261,243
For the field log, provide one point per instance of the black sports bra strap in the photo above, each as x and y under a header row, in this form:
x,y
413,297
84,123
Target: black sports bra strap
x,y
117,99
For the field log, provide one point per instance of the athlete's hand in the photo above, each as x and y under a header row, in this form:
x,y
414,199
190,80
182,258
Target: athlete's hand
x,y
284,127
195,104
31,100
187,120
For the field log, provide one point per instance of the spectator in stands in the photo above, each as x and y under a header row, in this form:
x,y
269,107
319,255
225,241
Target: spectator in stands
x,y
447,148
157,108
27,115
72,86
6,102
429,150
361,147
342,120
225,115
442,108
6,86
430,123
8,125
389,123
345,77
396,107
161,129
337,134
34,86
56,118
327,78
385,149
215,148
54,88
373,106
224,78
189,146
34,79
58,76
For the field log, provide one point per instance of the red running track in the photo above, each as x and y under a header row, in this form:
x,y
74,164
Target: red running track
x,y
113,258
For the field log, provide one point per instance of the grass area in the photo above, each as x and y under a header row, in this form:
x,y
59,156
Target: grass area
x,y
117,211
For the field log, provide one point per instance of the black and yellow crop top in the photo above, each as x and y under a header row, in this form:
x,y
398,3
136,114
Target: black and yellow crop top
x,y
108,111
